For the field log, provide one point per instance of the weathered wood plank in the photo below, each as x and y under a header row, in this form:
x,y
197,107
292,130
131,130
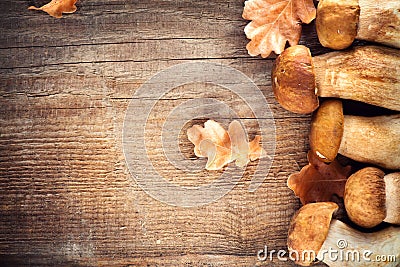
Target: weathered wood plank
x,y
119,22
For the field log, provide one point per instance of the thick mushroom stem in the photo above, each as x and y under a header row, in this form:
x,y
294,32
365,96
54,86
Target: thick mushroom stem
x,y
369,74
313,234
339,22
374,140
345,246
392,188
379,22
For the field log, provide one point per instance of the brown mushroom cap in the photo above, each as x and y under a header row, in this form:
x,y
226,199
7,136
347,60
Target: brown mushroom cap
x,y
327,130
293,80
337,22
365,197
308,230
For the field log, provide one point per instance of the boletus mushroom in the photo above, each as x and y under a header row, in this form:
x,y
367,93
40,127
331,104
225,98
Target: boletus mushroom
x,y
372,197
314,235
339,22
373,140
369,74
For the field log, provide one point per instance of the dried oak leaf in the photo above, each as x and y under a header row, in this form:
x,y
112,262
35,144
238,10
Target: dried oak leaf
x,y
222,147
55,8
273,22
318,181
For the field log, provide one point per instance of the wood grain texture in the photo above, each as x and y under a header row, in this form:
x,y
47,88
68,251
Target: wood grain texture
x,y
67,197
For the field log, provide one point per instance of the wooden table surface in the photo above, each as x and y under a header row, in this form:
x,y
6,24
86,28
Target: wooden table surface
x,y
67,196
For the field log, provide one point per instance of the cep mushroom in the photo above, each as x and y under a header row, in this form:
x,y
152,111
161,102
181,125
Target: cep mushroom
x,y
368,74
373,140
313,235
339,22
372,197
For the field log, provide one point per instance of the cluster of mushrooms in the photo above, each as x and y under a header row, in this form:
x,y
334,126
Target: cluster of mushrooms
x,y
369,74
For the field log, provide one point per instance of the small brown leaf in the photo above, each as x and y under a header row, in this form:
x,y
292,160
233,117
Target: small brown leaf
x,y
56,7
274,22
318,181
222,147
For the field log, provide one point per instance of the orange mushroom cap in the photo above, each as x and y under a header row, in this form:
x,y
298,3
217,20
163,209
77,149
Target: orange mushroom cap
x,y
327,130
337,22
293,80
308,230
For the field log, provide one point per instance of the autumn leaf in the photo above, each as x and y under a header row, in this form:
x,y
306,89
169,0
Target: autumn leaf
x,y
274,22
318,181
56,7
222,147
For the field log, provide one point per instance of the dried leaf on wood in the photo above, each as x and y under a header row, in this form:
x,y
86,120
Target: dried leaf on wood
x,y
222,147
55,8
274,22
318,181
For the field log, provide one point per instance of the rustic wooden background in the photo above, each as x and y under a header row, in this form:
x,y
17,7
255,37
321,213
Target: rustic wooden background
x,y
67,197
